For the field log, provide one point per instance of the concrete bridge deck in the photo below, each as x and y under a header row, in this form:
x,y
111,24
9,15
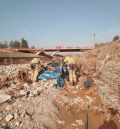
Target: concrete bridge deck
x,y
66,49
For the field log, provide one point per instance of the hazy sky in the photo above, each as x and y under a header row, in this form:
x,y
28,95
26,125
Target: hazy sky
x,y
59,22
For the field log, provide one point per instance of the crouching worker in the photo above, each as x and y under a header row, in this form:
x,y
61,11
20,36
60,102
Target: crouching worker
x,y
36,66
69,61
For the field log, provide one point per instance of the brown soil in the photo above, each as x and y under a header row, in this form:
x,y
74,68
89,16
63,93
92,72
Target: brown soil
x,y
96,120
108,125
69,114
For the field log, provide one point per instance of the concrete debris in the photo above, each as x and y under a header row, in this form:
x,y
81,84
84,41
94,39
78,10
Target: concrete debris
x,y
60,122
39,105
22,113
9,118
4,97
75,92
22,92
89,100
98,109
29,112
74,124
78,100
37,91
21,124
80,122
5,127
17,123
8,107
16,116
11,70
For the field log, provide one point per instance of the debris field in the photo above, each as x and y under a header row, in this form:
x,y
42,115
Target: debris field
x,y
39,105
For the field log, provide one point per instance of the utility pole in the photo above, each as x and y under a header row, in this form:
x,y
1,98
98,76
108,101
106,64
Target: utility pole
x,y
94,36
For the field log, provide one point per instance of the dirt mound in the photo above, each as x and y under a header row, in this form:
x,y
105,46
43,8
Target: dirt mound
x,y
103,63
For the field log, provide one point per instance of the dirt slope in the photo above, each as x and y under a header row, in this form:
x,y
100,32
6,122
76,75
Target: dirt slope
x,y
104,60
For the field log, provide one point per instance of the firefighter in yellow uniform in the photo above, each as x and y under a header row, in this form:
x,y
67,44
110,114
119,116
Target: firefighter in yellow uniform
x,y
35,68
69,61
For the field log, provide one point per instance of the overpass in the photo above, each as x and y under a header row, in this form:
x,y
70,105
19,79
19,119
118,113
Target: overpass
x,y
62,49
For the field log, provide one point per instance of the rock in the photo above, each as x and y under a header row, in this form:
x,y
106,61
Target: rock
x,y
78,100
22,92
9,118
22,113
6,127
36,92
8,107
29,112
74,92
16,115
51,85
13,86
30,95
44,80
26,85
90,100
74,124
77,86
60,122
17,123
79,122
88,82
107,57
21,124
34,84
4,97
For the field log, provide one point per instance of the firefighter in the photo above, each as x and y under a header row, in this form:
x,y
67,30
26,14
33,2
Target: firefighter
x,y
36,66
69,61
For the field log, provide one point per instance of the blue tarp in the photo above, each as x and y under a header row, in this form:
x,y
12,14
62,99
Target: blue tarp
x,y
50,74
55,74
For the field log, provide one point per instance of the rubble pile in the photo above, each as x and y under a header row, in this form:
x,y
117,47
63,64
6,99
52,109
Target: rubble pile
x,y
108,65
30,106
40,105
11,71
105,61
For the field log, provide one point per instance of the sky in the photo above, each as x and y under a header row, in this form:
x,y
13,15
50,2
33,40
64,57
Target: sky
x,y
50,23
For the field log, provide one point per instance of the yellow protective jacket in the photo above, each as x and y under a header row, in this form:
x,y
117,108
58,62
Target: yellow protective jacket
x,y
37,62
69,60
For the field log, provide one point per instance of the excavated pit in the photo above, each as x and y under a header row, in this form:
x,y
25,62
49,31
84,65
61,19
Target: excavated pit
x,y
26,105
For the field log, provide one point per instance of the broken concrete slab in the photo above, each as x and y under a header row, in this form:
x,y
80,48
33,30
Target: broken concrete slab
x,y
4,97
9,118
